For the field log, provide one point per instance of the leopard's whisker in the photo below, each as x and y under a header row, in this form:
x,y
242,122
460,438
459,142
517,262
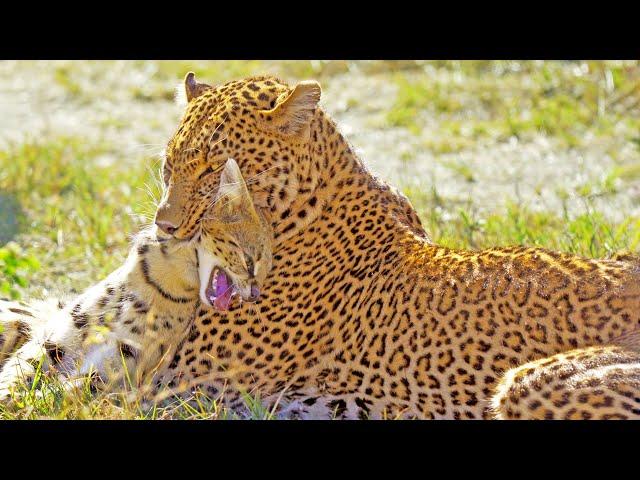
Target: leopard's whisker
x,y
226,116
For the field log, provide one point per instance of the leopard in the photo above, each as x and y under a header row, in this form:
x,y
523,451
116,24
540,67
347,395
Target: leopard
x,y
591,383
125,327
363,315
112,321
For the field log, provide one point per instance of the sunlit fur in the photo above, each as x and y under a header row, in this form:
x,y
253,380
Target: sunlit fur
x,y
361,315
127,327
591,383
135,309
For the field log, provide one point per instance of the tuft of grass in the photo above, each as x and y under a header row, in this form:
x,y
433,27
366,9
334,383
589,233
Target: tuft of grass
x,y
15,267
415,96
464,171
77,212
562,100
64,76
45,396
458,225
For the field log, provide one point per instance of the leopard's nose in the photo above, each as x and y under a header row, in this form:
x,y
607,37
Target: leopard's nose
x,y
166,227
168,217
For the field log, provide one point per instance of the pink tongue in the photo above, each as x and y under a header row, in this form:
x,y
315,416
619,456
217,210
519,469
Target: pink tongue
x,y
222,284
222,301
224,292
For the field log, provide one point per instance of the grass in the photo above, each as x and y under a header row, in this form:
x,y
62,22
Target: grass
x,y
588,234
69,204
46,397
520,99
16,266
76,213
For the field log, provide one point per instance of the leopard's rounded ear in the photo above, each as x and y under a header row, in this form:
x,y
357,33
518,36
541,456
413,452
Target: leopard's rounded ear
x,y
192,88
293,112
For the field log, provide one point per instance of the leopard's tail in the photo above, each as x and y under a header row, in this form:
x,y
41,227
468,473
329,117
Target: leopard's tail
x,y
19,322
24,338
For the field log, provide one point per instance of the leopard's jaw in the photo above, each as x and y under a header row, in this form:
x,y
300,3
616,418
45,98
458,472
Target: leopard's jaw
x,y
217,286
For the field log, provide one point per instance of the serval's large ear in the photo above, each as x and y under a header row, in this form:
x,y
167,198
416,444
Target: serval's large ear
x,y
233,197
293,112
192,88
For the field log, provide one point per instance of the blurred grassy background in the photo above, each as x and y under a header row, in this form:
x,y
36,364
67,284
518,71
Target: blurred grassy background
x,y
490,153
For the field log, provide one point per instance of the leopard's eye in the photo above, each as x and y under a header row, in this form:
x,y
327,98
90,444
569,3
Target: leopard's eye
x,y
166,173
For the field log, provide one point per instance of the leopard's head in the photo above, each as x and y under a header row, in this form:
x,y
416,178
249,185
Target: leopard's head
x,y
261,122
